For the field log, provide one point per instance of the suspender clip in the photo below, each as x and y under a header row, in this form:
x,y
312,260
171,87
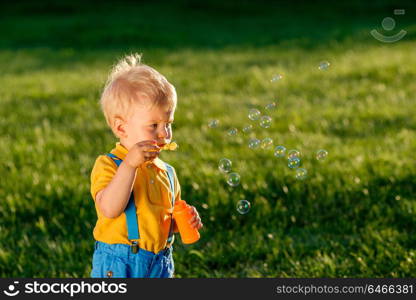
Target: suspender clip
x,y
134,247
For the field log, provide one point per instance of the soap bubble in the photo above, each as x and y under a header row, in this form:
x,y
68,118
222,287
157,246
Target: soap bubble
x,y
266,143
293,153
253,143
270,106
276,77
213,123
243,206
233,179
301,174
324,65
265,121
232,131
280,151
254,114
247,128
321,154
225,165
293,162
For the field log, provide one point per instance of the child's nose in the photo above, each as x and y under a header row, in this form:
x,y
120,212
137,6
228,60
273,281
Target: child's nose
x,y
163,134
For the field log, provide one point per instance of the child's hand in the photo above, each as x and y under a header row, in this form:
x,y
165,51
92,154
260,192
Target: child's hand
x,y
141,152
196,220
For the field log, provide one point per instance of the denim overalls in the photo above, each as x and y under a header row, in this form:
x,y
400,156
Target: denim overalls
x,y
130,261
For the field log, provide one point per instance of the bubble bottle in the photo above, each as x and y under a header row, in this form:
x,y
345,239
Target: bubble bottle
x,y
182,213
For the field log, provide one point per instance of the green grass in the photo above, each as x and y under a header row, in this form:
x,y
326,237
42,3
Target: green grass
x,y
354,216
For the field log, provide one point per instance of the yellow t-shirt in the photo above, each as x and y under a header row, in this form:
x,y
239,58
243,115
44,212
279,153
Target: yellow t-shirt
x,y
152,197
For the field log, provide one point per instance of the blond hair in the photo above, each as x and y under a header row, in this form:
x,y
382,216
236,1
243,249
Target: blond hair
x,y
129,79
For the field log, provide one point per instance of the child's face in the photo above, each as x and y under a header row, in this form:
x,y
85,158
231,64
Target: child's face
x,y
147,123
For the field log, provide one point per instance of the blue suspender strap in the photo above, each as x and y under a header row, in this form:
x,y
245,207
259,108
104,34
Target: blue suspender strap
x,y
171,176
131,217
130,211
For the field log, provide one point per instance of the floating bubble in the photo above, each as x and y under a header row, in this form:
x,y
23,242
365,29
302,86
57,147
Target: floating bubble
x,y
321,154
280,151
293,153
254,114
270,106
293,162
276,77
301,174
243,206
232,132
213,123
225,165
266,143
265,121
233,179
324,65
253,143
247,128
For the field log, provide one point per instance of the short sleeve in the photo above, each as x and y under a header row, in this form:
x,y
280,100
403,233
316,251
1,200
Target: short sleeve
x,y
102,173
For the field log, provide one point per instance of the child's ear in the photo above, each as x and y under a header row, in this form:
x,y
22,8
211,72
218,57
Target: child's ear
x,y
119,127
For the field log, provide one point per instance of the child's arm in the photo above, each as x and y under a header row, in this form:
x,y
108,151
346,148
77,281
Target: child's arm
x,y
113,199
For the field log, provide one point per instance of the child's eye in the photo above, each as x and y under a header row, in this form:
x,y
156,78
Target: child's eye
x,y
153,125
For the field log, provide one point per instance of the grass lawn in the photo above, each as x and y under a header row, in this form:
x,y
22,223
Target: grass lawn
x,y
355,214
